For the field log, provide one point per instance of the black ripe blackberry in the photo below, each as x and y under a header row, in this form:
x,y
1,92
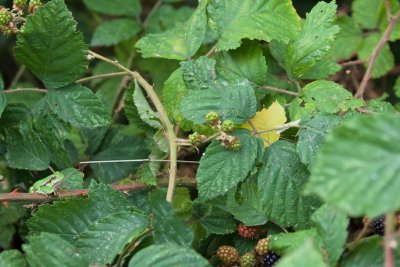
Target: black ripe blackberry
x,y
270,259
378,225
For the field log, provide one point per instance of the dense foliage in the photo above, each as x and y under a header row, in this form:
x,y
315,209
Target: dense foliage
x,y
217,133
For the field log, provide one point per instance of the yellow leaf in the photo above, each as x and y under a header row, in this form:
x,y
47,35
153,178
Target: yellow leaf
x,y
267,119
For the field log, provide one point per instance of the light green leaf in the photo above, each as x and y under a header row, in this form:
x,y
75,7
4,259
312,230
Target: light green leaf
x,y
180,43
131,8
245,205
51,250
305,255
79,106
281,181
221,168
112,32
168,227
3,99
246,62
314,40
331,232
259,19
357,168
397,87
284,243
73,179
369,253
146,113
25,149
50,46
312,134
12,258
130,109
329,97
198,74
385,60
368,13
167,256
105,239
348,40
232,101
326,67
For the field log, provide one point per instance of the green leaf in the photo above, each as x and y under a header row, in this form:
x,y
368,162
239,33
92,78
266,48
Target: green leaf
x,y
329,97
245,205
221,168
260,19
284,243
385,60
348,40
167,226
73,179
368,14
198,74
146,113
326,67
52,250
3,99
281,181
79,106
369,252
130,8
246,62
180,43
105,239
305,255
232,101
50,46
167,256
113,32
397,87
12,258
331,232
314,40
130,109
25,149
312,134
69,218
362,152
166,17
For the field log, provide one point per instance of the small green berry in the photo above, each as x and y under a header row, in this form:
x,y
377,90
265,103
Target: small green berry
x,y
228,126
33,5
195,138
235,144
248,260
5,17
20,4
212,118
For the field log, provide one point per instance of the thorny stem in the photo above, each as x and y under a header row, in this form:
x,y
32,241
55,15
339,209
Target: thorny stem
x,y
387,8
37,90
390,243
271,88
102,76
163,116
212,51
375,54
352,63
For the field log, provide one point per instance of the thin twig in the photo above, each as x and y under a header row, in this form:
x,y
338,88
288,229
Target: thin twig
x,y
353,62
136,160
212,51
375,54
298,86
387,8
163,116
18,90
389,243
102,76
271,88
18,76
279,129
151,13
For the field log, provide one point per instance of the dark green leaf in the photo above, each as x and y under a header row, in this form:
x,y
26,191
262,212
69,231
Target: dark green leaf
x,y
167,256
112,32
284,243
368,253
79,106
50,46
131,8
12,258
281,181
3,99
357,168
146,113
305,255
198,74
166,17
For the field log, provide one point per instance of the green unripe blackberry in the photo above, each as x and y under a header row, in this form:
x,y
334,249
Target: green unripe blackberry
x,y
20,4
5,17
195,138
33,5
235,144
262,246
212,118
228,126
248,260
227,254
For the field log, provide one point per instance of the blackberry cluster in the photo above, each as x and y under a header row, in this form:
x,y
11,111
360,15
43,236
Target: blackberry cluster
x,y
248,232
378,225
227,254
248,260
270,259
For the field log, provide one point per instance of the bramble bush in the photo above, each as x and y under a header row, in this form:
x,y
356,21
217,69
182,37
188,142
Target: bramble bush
x,y
218,133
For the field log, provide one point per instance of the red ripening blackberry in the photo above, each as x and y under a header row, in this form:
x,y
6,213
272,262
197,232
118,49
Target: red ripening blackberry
x,y
270,259
378,224
248,232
